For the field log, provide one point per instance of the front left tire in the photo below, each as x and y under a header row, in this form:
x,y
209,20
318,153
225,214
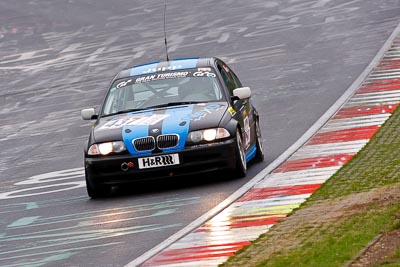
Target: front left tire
x,y
94,188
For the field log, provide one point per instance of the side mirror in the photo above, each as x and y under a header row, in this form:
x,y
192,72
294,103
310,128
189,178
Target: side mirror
x,y
88,114
242,93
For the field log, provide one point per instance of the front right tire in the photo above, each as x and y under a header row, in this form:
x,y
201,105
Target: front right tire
x,y
259,145
241,164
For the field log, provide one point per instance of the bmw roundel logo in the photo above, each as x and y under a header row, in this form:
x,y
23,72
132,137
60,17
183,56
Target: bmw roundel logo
x,y
155,131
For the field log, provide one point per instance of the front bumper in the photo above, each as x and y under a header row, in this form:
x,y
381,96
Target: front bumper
x,y
193,160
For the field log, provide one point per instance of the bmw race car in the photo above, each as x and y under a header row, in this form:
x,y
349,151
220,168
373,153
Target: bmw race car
x,y
171,118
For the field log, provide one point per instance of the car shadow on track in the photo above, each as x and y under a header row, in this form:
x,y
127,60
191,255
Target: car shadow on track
x,y
173,184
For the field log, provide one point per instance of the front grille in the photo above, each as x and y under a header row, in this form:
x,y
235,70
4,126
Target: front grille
x,y
144,144
167,141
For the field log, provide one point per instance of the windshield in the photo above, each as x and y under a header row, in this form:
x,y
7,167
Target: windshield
x,y
159,89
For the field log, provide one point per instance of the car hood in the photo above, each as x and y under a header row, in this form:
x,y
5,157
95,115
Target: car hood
x,y
170,120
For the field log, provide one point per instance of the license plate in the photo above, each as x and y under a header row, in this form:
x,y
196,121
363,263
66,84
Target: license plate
x,y
158,161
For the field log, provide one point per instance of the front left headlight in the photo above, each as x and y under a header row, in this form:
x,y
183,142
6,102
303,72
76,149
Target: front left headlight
x,y
208,135
106,148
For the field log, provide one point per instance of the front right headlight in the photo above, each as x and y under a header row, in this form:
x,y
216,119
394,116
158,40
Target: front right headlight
x,y
208,135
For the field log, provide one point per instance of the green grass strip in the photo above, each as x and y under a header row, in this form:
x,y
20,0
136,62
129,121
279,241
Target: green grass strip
x,y
377,165
339,246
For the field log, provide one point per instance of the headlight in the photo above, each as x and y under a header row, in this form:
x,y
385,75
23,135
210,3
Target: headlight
x,y
106,148
208,135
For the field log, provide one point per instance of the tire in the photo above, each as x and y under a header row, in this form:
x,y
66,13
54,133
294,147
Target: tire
x,y
259,145
94,189
241,164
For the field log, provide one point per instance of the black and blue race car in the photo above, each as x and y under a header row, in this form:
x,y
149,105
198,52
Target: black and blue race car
x,y
171,118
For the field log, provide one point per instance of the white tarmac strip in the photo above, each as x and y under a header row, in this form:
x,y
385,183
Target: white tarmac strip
x,y
380,93
384,73
355,122
268,205
311,151
202,263
263,175
395,50
382,96
237,235
394,55
386,77
387,71
292,178
375,101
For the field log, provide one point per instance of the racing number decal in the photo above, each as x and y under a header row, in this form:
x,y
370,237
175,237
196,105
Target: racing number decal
x,y
133,121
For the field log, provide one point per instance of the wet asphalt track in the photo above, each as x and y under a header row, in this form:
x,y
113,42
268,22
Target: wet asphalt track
x,y
56,57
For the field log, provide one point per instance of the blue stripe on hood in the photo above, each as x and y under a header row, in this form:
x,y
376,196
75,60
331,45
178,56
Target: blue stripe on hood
x,y
135,131
178,122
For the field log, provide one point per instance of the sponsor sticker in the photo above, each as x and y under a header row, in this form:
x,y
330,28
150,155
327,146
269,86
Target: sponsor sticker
x,y
205,111
231,110
204,74
158,161
162,76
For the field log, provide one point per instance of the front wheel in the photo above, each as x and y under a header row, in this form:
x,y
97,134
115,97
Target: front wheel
x,y
259,145
94,189
241,164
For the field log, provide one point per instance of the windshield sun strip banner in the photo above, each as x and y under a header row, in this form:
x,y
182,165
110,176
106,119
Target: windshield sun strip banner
x,y
153,76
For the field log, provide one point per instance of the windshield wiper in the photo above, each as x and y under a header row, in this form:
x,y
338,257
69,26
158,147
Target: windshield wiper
x,y
170,104
124,111
175,104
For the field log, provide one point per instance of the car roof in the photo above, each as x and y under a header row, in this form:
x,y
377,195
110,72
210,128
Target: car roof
x,y
175,64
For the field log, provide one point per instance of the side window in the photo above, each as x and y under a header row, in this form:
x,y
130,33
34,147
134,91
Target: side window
x,y
226,76
236,80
